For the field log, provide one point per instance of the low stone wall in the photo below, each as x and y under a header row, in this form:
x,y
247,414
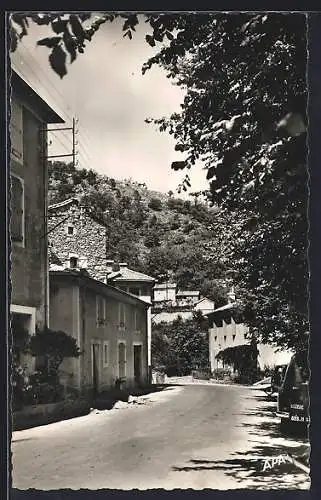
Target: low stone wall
x,y
32,416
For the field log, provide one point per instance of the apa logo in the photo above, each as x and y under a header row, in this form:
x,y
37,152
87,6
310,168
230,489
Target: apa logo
x,y
270,463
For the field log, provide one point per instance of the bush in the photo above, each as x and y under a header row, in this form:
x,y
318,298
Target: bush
x,y
155,204
221,374
44,388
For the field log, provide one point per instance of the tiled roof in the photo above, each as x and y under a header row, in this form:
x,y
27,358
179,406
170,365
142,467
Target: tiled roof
x,y
187,293
126,274
164,286
63,203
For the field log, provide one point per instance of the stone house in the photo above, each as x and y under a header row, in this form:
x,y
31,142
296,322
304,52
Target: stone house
x,y
136,283
30,115
226,330
110,327
77,239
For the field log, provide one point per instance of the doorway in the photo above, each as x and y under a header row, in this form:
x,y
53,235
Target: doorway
x,y
138,364
95,368
122,360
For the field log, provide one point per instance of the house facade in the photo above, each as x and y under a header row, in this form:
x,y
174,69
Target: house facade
x,y
30,115
110,327
227,330
136,283
77,239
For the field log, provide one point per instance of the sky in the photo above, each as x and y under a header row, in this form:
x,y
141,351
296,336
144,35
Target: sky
x,y
106,91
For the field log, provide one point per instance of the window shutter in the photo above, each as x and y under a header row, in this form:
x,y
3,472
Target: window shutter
x,y
16,131
17,215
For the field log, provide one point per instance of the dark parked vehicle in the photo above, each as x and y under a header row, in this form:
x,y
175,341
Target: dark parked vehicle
x,y
293,397
277,378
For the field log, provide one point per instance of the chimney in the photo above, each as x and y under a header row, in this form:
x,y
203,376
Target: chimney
x,y
109,266
231,296
123,265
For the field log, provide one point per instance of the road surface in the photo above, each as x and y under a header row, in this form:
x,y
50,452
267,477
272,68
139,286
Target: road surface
x,y
196,436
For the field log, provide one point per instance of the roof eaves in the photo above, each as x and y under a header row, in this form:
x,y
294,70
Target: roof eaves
x,y
27,93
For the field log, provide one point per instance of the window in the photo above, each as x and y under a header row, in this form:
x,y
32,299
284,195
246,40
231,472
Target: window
x,y
16,131
233,337
215,338
105,353
100,310
122,315
70,230
73,262
145,291
134,290
17,209
224,338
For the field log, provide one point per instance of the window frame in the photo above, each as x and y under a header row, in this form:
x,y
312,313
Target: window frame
x,y
121,307
105,348
73,230
101,321
15,154
19,242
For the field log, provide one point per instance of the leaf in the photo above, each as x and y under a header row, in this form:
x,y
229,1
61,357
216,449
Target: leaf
x,y
169,35
59,26
57,61
70,45
210,173
49,42
77,28
129,34
150,40
178,165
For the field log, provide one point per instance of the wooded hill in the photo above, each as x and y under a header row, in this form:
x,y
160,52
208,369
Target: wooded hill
x,y
155,233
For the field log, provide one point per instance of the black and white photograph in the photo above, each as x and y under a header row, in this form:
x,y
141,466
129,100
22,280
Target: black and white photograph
x,y
158,216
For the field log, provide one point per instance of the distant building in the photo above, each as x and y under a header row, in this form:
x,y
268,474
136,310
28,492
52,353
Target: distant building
x,y
30,115
170,303
164,292
227,330
136,283
110,327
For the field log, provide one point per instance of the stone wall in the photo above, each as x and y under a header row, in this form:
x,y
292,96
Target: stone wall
x,y
87,242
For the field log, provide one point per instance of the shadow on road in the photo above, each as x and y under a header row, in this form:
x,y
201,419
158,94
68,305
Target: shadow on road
x,y
250,468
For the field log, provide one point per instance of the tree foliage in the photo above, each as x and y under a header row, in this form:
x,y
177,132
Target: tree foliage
x,y
243,359
244,117
181,346
54,346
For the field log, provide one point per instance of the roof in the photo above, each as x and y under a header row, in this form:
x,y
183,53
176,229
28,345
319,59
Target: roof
x,y
23,90
70,201
107,289
188,293
226,308
126,274
165,286
202,300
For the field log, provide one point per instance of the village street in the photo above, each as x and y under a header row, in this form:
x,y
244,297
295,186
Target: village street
x,y
194,436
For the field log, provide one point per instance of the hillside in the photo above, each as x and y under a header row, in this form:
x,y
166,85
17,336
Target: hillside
x,y
156,233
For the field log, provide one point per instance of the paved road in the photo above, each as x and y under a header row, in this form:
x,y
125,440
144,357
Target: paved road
x,y
209,436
